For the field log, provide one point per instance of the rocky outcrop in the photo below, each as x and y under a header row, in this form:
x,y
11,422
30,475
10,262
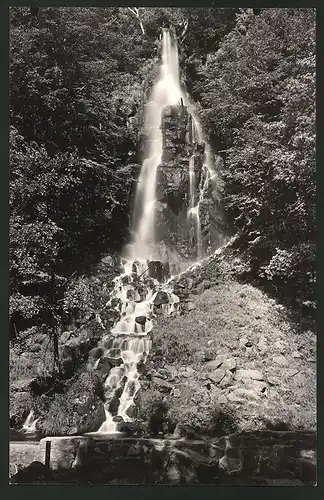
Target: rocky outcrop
x,y
181,153
173,227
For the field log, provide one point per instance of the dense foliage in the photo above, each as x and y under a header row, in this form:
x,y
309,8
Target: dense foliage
x,y
75,75
258,104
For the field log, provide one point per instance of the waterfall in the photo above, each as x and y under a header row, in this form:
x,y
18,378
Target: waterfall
x,y
29,425
136,296
166,92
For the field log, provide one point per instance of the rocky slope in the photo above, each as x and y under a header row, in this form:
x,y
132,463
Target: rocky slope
x,y
232,362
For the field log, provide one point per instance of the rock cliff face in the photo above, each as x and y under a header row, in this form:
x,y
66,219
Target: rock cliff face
x,y
174,228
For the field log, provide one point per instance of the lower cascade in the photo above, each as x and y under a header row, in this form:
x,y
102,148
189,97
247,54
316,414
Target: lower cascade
x,y
138,298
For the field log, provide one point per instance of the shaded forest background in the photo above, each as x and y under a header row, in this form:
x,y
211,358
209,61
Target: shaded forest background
x,y
77,75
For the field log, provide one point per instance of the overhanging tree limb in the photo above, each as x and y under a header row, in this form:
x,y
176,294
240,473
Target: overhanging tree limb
x,y
135,11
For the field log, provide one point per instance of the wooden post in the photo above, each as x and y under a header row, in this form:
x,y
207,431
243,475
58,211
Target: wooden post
x,y
47,454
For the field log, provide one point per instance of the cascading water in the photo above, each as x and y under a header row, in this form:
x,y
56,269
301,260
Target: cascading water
x,y
135,295
29,425
166,92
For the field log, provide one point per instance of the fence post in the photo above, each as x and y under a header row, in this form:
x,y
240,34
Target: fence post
x,y
47,453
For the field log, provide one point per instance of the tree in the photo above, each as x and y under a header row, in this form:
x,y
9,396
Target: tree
x,y
258,104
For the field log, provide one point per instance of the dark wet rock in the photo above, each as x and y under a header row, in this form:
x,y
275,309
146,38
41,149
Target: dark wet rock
x,y
161,298
141,320
130,294
96,352
181,291
118,419
162,385
159,270
114,301
104,366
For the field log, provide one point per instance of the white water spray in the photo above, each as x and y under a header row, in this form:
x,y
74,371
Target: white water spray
x,y
29,425
166,92
135,295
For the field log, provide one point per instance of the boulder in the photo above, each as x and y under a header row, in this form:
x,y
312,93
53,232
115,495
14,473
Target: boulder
x,y
209,356
242,374
273,380
239,395
159,270
256,385
217,375
227,380
104,366
36,472
163,385
172,371
161,298
141,320
229,364
280,360
216,363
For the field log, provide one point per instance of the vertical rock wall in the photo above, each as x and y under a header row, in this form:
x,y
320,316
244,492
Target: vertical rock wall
x,y
174,229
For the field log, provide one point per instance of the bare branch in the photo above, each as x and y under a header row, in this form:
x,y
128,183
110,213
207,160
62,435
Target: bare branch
x,y
135,11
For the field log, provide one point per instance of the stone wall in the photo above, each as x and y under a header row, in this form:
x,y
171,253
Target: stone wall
x,y
240,457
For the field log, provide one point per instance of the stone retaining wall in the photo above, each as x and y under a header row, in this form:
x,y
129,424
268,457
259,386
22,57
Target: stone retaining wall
x,y
271,454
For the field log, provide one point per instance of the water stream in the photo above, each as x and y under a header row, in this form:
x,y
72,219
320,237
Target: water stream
x,y
135,295
29,426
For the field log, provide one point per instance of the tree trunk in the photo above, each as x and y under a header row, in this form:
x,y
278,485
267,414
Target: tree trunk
x,y
56,358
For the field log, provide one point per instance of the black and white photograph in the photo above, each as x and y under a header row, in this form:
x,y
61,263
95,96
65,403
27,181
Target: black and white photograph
x,y
162,305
